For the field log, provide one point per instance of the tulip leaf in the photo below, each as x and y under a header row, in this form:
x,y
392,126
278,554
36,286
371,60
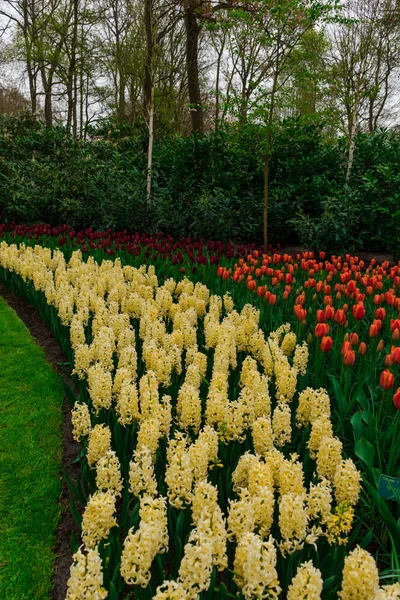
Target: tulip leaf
x,y
365,451
339,396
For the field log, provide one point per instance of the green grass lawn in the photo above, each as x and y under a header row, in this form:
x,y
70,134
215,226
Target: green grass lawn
x,y
30,457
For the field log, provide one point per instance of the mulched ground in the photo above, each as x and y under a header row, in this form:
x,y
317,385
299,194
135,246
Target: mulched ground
x,y
44,337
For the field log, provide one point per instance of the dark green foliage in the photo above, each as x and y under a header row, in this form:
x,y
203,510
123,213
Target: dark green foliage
x,y
209,186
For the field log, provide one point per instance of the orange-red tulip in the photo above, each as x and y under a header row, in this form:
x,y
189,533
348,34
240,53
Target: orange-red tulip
x,y
358,311
395,354
373,330
326,343
354,339
261,290
329,312
340,316
321,329
386,380
396,399
349,358
320,316
300,312
394,324
345,347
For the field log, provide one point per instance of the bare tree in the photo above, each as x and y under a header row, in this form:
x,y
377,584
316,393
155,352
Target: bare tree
x,y
365,52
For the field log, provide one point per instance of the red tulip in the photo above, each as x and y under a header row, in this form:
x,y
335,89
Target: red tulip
x,y
386,380
251,285
320,316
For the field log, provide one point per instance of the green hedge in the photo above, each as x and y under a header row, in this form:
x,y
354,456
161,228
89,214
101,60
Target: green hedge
x,y
209,186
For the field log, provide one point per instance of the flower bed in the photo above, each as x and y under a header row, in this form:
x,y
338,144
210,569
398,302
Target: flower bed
x,y
209,467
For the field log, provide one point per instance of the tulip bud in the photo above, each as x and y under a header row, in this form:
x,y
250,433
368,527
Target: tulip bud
x,y
388,360
362,349
386,380
309,339
380,346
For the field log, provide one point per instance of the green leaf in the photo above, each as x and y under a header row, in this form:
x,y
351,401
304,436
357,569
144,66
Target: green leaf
x,y
341,403
112,594
75,514
75,489
365,451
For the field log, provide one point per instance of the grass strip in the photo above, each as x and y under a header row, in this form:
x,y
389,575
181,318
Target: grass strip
x,y
30,461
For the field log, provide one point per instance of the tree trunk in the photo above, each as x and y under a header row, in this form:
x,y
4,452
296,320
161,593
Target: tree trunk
x,y
32,75
32,87
150,147
217,82
121,107
72,67
192,66
268,156
48,107
352,142
148,65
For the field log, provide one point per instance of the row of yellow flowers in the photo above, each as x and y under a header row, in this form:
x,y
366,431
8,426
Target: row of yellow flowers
x,y
180,368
